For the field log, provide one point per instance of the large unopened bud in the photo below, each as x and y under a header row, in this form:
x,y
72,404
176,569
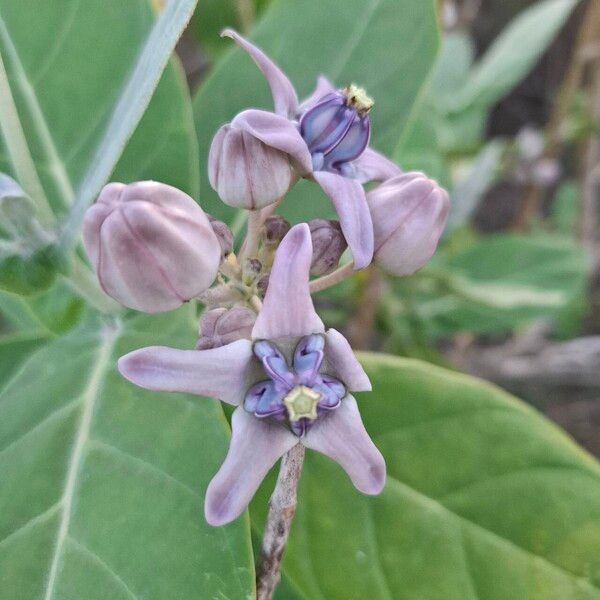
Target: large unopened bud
x,y
245,172
221,326
409,213
152,246
328,244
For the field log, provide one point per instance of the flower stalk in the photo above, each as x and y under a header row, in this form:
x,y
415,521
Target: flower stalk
x,y
282,508
327,281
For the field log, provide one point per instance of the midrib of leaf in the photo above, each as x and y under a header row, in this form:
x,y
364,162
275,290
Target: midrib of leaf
x,y
90,396
56,166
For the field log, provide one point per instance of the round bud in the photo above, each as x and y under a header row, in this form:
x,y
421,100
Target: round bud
x,y
245,172
409,213
328,244
275,229
152,246
221,326
223,234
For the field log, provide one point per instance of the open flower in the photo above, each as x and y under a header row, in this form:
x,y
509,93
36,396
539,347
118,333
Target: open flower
x,y
325,138
290,384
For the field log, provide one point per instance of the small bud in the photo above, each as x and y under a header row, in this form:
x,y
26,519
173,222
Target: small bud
x,y
261,285
152,246
221,326
328,244
223,234
409,213
245,172
275,229
251,270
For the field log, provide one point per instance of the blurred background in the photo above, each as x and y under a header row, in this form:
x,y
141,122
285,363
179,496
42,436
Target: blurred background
x,y
513,295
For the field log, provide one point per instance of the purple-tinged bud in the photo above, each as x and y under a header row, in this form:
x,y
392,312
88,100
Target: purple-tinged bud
x,y
251,270
223,234
328,244
151,245
276,228
409,213
337,128
245,172
222,326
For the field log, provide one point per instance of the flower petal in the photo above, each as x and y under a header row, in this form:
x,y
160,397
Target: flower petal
x,y
217,373
284,94
288,308
372,166
255,447
323,87
342,436
348,198
344,364
277,132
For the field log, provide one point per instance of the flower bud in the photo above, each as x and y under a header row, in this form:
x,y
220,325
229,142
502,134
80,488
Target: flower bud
x,y
152,246
275,229
409,213
223,234
328,244
245,172
221,326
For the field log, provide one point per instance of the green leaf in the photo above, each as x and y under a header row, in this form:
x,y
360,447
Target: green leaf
x,y
514,53
387,46
77,114
501,282
103,483
485,499
14,350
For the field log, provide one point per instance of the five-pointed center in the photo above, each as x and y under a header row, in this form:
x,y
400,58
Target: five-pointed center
x,y
301,403
358,99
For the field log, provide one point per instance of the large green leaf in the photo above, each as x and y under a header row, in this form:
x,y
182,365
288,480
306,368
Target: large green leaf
x,y
500,282
82,74
514,53
388,46
484,499
103,483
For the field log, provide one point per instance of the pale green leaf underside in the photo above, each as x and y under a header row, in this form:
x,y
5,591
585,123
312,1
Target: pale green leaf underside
x,y
69,64
103,483
387,46
485,500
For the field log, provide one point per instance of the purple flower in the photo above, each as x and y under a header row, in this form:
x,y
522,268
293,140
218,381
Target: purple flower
x,y
290,384
326,139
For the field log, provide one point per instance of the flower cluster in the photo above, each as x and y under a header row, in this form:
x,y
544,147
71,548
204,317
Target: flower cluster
x,y
262,347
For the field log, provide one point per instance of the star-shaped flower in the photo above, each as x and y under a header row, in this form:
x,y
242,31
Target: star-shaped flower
x,y
306,403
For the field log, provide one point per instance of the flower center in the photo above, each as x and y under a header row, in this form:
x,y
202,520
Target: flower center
x,y
358,99
301,403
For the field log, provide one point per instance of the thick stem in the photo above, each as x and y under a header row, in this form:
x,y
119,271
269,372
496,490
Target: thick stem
x,y
341,273
250,246
282,508
83,282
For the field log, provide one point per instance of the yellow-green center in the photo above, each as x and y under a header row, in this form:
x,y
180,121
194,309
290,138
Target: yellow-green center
x,y
358,99
301,403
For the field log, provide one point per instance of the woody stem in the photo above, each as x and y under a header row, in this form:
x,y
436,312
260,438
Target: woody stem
x,y
282,507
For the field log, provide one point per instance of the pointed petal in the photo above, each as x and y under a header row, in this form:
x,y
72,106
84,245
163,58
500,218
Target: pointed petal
x,y
344,364
288,308
277,132
348,198
218,373
372,166
342,436
323,87
255,447
284,94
